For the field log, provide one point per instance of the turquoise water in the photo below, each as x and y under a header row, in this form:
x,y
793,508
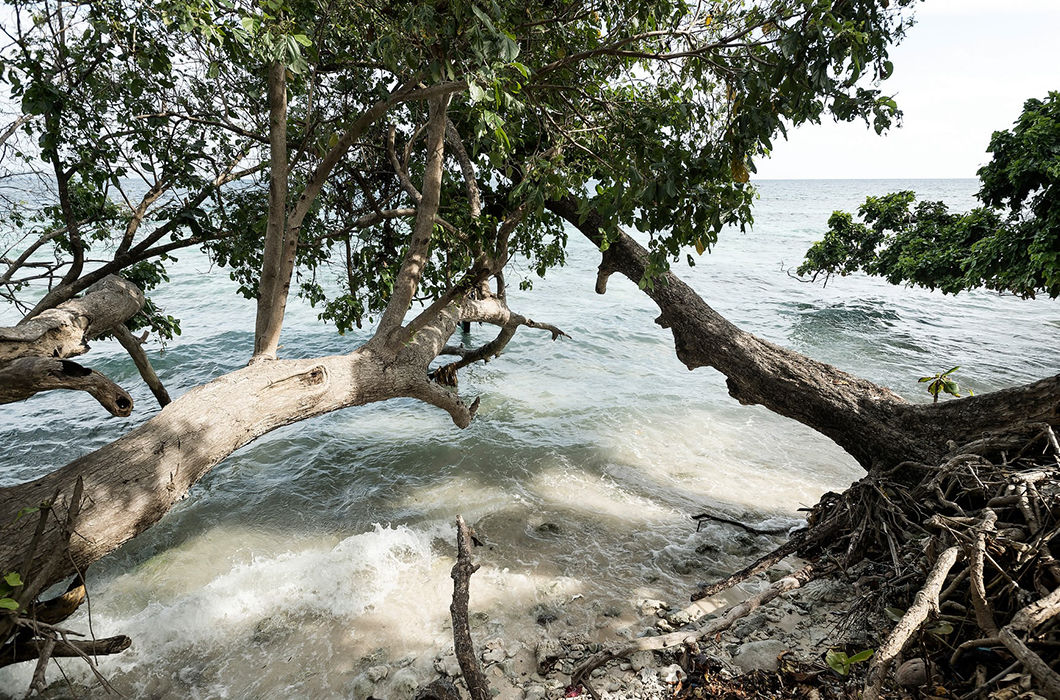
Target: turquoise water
x,y
328,541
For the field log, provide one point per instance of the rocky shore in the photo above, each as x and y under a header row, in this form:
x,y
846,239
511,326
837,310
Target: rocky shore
x,y
794,628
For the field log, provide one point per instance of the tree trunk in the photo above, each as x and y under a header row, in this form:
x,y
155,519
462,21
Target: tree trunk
x,y
874,425
272,301
132,482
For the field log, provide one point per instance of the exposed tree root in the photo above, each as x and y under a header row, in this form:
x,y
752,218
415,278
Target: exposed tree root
x,y
961,552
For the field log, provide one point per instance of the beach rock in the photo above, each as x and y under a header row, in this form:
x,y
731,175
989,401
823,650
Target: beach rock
x,y
759,656
672,674
494,653
547,652
448,665
535,692
650,606
377,673
404,684
641,659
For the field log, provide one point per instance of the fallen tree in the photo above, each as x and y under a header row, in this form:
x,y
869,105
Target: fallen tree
x,y
871,423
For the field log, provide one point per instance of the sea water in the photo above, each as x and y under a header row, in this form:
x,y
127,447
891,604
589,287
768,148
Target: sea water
x,y
325,547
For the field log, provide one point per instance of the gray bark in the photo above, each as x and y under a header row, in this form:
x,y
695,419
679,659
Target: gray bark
x,y
31,353
65,330
870,422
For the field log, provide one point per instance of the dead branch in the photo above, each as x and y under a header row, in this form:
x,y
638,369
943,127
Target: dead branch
x,y
926,602
683,637
476,681
134,346
31,649
23,377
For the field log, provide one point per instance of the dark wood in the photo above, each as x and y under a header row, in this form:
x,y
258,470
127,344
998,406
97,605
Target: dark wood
x,y
476,681
873,424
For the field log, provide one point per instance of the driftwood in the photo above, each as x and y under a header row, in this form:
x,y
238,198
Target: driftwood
x,y
962,548
688,637
926,603
476,681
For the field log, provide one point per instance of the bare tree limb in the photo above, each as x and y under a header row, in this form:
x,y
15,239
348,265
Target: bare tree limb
x,y
477,685
134,346
26,376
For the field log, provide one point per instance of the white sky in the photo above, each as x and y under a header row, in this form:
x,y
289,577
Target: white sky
x,y
962,73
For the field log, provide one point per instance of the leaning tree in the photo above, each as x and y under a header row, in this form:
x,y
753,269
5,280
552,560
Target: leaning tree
x,y
409,151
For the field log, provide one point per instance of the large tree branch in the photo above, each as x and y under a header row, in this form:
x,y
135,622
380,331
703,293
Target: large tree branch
x,y
132,482
65,330
408,277
23,377
870,422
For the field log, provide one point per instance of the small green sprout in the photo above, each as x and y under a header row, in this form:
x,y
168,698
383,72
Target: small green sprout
x,y
841,663
942,382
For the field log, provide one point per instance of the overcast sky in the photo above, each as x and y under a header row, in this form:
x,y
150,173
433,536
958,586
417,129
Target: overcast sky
x,y
962,72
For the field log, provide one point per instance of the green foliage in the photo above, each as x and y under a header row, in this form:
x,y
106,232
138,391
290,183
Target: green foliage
x,y
651,112
942,382
839,662
8,583
1011,244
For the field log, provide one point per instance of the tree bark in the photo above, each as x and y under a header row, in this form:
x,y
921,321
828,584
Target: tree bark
x,y
65,330
24,377
870,422
31,353
278,243
132,482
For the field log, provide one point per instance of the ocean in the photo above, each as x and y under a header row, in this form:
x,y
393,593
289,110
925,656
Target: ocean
x,y
325,547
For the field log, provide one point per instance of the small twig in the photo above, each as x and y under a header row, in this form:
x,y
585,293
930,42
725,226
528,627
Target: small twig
x,y
702,517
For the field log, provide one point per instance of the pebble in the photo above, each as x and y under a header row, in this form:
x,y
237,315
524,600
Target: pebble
x,y
377,673
650,606
546,654
535,692
759,656
640,660
672,674
448,665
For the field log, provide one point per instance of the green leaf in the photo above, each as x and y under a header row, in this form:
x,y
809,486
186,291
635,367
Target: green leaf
x,y
861,656
303,40
895,614
926,379
475,92
942,629
8,604
13,579
951,369
26,511
838,661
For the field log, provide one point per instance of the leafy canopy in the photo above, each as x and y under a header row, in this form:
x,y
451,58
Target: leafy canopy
x,y
650,112
1010,244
